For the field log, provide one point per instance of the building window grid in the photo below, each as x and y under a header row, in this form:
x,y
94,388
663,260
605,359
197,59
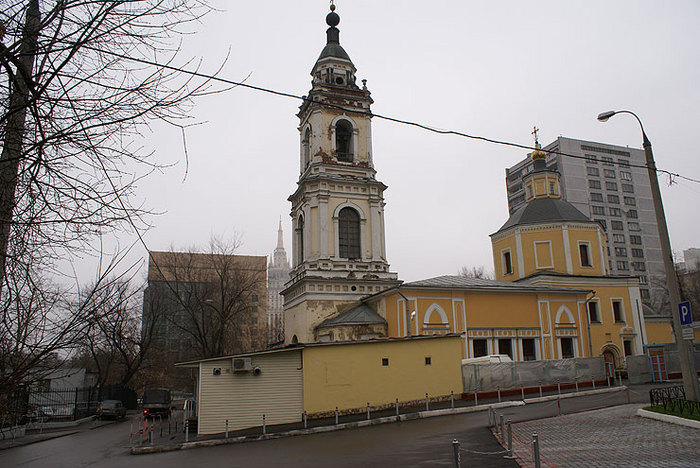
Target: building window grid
x,y
620,251
592,171
611,186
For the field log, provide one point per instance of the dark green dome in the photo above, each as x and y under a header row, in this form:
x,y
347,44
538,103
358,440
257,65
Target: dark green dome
x,y
545,210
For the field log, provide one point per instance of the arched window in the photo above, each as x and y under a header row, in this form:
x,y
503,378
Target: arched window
x,y
343,140
300,239
349,233
306,147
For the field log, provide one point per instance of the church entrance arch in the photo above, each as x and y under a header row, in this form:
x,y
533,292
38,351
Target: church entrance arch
x,y
611,356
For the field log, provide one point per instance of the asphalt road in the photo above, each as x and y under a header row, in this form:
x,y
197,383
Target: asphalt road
x,y
419,443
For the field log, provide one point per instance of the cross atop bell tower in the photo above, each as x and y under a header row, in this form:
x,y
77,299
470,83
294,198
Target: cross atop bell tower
x,y
338,252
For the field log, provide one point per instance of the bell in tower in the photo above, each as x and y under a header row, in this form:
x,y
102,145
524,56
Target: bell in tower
x,y
338,253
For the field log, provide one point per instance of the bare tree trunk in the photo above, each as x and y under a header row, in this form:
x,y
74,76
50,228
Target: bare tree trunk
x,y
15,126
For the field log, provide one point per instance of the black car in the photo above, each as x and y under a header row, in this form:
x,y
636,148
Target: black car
x,y
111,409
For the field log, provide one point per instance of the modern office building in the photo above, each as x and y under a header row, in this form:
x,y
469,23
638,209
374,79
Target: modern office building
x,y
609,184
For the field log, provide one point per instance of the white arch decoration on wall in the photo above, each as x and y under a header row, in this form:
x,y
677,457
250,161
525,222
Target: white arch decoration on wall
x,y
434,308
564,310
349,204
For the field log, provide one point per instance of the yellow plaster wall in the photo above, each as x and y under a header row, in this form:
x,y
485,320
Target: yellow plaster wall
x,y
501,310
591,236
606,332
350,375
660,332
543,234
506,242
532,238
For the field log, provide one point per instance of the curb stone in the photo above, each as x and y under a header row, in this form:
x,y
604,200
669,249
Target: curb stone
x,y
669,418
358,424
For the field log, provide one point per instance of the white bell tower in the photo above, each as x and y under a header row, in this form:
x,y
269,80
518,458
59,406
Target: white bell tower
x,y
339,251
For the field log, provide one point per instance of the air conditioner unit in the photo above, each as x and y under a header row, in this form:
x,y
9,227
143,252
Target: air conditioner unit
x,y
242,364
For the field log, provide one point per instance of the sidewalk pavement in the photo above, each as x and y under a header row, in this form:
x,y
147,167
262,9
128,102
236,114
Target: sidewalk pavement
x,y
607,437
52,433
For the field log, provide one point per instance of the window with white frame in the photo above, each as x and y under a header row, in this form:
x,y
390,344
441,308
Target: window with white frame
x,y
507,262
593,312
585,254
618,311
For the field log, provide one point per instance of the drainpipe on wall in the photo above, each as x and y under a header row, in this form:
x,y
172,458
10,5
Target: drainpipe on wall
x,y
408,312
588,323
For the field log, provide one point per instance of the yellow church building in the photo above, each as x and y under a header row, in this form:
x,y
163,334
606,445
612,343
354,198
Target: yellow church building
x,y
552,297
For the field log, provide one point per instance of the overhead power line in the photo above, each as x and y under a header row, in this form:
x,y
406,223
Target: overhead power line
x,y
372,114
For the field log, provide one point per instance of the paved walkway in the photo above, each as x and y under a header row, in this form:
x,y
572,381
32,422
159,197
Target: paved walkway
x,y
613,437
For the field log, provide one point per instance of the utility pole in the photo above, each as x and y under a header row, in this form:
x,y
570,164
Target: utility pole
x,y
690,376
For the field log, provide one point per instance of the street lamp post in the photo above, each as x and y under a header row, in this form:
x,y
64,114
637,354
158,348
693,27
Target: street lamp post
x,y
690,380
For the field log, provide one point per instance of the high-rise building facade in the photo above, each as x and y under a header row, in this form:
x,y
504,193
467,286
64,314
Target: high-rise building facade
x,y
277,275
609,184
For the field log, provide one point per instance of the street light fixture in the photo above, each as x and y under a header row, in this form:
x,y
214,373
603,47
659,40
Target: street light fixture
x,y
690,377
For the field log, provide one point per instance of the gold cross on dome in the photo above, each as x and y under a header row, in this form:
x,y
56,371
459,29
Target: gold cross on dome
x,y
534,133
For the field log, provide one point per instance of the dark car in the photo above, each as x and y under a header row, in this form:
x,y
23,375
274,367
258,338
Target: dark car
x,y
111,409
156,401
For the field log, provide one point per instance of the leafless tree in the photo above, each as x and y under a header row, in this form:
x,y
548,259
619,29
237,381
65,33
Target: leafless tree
x,y
74,99
115,340
213,299
75,94
475,272
41,327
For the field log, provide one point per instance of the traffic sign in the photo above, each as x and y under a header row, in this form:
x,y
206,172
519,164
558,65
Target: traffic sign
x,y
688,334
686,314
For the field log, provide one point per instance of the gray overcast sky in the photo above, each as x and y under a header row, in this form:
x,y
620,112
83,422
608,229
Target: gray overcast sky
x,y
486,68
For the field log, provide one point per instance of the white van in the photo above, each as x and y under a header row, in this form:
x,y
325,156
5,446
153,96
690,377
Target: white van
x,y
488,359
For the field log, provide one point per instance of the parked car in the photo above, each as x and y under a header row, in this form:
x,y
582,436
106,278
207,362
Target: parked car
x,y
111,409
488,359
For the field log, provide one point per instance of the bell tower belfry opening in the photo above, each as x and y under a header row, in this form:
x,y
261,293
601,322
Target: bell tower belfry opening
x,y
339,252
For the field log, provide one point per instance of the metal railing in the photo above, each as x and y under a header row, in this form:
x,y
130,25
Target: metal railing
x,y
673,399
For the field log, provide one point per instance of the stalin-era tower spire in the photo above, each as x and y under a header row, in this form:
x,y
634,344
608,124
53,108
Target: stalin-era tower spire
x,y
338,252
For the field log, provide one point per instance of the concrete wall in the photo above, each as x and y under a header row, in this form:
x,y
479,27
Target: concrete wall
x,y
351,375
487,377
